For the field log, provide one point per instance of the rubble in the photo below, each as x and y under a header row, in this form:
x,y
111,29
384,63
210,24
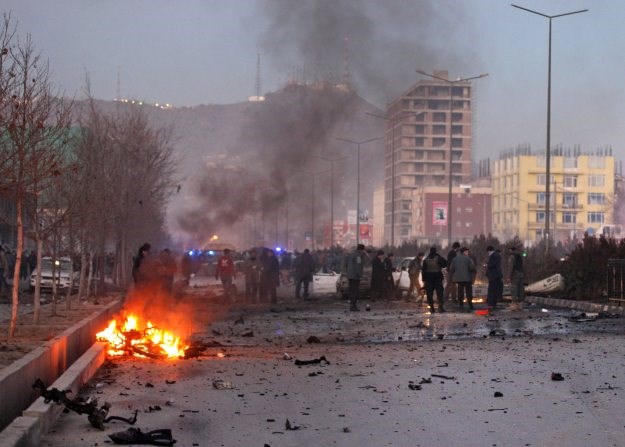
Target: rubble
x,y
312,362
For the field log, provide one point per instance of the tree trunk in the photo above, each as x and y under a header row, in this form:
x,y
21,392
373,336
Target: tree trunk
x,y
16,271
90,278
37,294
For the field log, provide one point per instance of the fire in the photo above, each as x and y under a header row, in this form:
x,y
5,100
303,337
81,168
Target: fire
x,y
132,337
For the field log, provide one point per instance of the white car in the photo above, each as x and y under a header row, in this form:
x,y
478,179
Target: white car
x,y
64,270
325,283
401,277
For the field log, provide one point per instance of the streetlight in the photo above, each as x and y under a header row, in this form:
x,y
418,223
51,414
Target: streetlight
x,y
331,161
451,105
358,143
548,148
393,122
312,203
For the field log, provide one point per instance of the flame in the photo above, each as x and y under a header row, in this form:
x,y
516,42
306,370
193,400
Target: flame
x,y
131,337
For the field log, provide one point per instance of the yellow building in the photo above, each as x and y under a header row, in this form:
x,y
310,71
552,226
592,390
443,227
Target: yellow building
x,y
581,193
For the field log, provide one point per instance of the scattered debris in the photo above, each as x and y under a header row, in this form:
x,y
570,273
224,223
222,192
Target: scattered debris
x,y
136,436
97,416
149,385
287,356
556,376
440,376
239,320
247,334
346,429
220,384
289,426
170,382
497,333
413,386
498,394
425,380
312,362
505,410
313,339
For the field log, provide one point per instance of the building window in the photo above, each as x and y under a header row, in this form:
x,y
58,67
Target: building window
x,y
596,180
570,162
468,209
540,216
596,198
541,161
569,199
596,217
540,179
540,198
596,162
570,181
569,217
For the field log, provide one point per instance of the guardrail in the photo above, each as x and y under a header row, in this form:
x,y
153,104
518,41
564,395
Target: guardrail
x,y
616,280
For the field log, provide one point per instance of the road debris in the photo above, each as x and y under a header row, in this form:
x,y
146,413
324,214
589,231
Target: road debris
x,y
136,436
220,384
440,376
556,376
312,361
313,339
289,426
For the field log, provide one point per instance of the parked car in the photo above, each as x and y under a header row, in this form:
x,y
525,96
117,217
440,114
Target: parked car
x,y
325,283
64,270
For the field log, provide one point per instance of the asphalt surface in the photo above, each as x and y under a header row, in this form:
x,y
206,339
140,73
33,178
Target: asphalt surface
x,y
370,393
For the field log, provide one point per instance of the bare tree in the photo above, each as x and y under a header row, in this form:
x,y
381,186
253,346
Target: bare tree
x,y
36,130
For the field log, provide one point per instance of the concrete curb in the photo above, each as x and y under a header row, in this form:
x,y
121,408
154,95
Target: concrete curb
x,y
48,362
28,429
583,306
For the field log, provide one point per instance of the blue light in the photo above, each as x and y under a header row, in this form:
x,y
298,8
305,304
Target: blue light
x,y
278,249
211,252
190,252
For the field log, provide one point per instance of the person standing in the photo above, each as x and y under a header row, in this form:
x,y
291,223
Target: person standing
x,y
226,272
167,269
140,265
390,282
378,276
355,264
414,269
252,269
304,268
270,276
495,278
463,271
515,265
286,264
451,289
432,272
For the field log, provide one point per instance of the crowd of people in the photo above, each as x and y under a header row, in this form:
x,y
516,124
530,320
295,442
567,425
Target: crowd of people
x,y
8,261
450,278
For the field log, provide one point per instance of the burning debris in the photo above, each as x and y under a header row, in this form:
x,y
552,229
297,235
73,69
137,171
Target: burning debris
x,y
134,338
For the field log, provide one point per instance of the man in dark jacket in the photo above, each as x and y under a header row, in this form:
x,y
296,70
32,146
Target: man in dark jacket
x,y
451,289
432,273
378,276
304,267
252,269
388,268
463,270
270,276
495,277
515,267
355,264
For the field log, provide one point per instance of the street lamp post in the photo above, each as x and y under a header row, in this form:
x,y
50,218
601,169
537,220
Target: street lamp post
x,y
548,147
331,161
358,144
312,203
393,121
451,147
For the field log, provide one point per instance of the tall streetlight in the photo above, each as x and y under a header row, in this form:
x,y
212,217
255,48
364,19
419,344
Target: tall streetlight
x,y
548,147
451,147
358,144
331,161
312,202
393,122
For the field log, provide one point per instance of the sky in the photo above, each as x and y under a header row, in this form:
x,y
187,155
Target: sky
x,y
191,52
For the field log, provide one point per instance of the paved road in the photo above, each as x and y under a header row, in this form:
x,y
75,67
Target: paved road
x,y
362,397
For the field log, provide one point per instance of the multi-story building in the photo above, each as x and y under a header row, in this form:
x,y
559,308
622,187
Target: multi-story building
x,y
581,193
471,213
422,124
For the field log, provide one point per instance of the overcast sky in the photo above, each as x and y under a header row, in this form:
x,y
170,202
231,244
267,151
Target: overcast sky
x,y
190,52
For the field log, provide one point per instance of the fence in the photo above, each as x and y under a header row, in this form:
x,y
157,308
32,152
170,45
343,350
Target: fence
x,y
616,280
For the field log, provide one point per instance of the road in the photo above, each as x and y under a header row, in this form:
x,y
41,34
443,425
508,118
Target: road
x,y
363,396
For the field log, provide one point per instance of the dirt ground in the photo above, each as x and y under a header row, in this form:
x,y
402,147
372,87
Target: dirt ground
x,y
29,336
